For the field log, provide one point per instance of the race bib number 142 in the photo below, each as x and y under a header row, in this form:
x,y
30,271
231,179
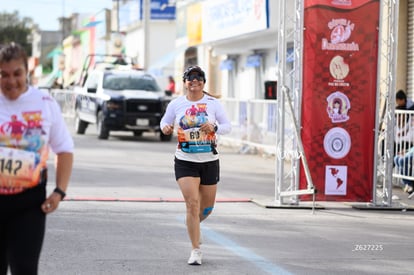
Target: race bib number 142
x,y
16,167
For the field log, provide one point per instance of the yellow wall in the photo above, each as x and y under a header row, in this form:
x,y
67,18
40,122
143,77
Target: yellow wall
x,y
401,77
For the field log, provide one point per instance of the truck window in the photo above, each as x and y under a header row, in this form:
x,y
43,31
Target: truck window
x,y
130,82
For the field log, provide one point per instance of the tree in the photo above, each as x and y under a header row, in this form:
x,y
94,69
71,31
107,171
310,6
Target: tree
x,y
14,28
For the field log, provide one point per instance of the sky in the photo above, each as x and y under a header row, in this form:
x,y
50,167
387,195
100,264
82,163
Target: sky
x,y
45,13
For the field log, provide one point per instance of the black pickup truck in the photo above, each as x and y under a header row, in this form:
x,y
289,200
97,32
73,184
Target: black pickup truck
x,y
120,99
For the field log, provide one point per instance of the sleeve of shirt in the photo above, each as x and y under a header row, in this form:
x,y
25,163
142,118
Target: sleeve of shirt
x,y
224,124
169,115
60,139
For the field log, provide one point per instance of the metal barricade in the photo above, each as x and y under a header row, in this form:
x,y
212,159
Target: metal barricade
x,y
253,125
66,99
403,147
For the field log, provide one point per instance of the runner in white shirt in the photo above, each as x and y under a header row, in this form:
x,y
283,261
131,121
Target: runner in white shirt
x,y
198,117
30,124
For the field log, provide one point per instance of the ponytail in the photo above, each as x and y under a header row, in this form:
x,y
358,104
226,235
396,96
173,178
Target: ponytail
x,y
215,96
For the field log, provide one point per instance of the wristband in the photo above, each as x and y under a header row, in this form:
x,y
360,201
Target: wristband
x,y
215,128
60,192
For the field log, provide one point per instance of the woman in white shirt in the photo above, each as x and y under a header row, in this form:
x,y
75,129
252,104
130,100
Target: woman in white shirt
x,y
30,124
198,116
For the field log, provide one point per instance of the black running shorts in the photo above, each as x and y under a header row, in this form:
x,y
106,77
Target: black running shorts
x,y
208,172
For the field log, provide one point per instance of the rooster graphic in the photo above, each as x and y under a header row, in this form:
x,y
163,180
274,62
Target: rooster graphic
x,y
341,33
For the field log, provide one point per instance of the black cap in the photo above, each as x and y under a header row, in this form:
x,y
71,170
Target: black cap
x,y
193,69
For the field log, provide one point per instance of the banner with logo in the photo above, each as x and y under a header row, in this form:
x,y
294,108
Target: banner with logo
x,y
339,97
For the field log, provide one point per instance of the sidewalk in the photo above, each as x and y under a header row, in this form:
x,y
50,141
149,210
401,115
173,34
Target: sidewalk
x,y
266,162
399,196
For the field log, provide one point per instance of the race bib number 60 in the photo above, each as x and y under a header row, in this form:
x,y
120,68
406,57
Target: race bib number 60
x,y
196,135
195,141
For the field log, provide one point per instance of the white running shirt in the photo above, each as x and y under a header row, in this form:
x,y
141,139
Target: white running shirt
x,y
187,116
28,126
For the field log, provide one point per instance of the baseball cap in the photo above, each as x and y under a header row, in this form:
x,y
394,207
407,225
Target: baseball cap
x,y
193,69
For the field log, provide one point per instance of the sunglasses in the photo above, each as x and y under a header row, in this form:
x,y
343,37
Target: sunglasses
x,y
195,76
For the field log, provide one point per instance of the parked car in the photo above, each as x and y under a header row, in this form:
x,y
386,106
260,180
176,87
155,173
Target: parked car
x,y
120,99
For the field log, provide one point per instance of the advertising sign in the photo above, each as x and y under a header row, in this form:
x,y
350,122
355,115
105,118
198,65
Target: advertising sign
x,y
339,97
131,11
229,18
162,10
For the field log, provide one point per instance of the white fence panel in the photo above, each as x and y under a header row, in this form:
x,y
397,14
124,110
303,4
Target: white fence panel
x,y
254,125
253,121
404,147
66,100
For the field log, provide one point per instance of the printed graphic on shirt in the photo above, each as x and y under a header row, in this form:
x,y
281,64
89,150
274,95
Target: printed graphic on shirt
x,y
22,152
190,138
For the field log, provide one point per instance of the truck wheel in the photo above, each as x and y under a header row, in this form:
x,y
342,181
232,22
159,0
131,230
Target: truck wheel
x,y
103,133
80,125
165,137
137,133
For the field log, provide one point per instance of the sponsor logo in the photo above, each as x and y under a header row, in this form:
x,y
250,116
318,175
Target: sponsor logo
x,y
341,30
337,143
338,107
336,179
142,107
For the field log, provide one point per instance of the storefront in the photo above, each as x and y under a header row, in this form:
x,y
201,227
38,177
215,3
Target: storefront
x,y
235,41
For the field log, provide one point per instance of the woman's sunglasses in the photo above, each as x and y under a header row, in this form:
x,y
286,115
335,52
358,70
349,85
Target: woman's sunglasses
x,y
195,76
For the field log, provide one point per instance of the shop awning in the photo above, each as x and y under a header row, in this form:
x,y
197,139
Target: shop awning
x,y
54,52
227,65
92,24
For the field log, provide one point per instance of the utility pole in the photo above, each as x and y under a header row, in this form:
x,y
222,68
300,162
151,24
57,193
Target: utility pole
x,y
62,22
117,16
146,26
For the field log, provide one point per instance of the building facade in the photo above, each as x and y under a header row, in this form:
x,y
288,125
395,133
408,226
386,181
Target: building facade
x,y
235,41
239,60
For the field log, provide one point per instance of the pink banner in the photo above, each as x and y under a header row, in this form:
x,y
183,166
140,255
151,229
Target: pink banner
x,y
339,97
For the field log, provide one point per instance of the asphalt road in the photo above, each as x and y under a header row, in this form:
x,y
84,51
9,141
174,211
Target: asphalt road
x,y
124,215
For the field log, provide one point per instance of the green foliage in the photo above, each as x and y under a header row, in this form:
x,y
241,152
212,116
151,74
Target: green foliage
x,y
48,67
14,28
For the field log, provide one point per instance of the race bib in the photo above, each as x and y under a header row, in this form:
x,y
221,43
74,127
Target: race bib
x,y
17,169
195,141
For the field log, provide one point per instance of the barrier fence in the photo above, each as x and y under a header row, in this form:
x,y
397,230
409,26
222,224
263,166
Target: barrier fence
x,y
253,121
403,147
253,125
66,100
